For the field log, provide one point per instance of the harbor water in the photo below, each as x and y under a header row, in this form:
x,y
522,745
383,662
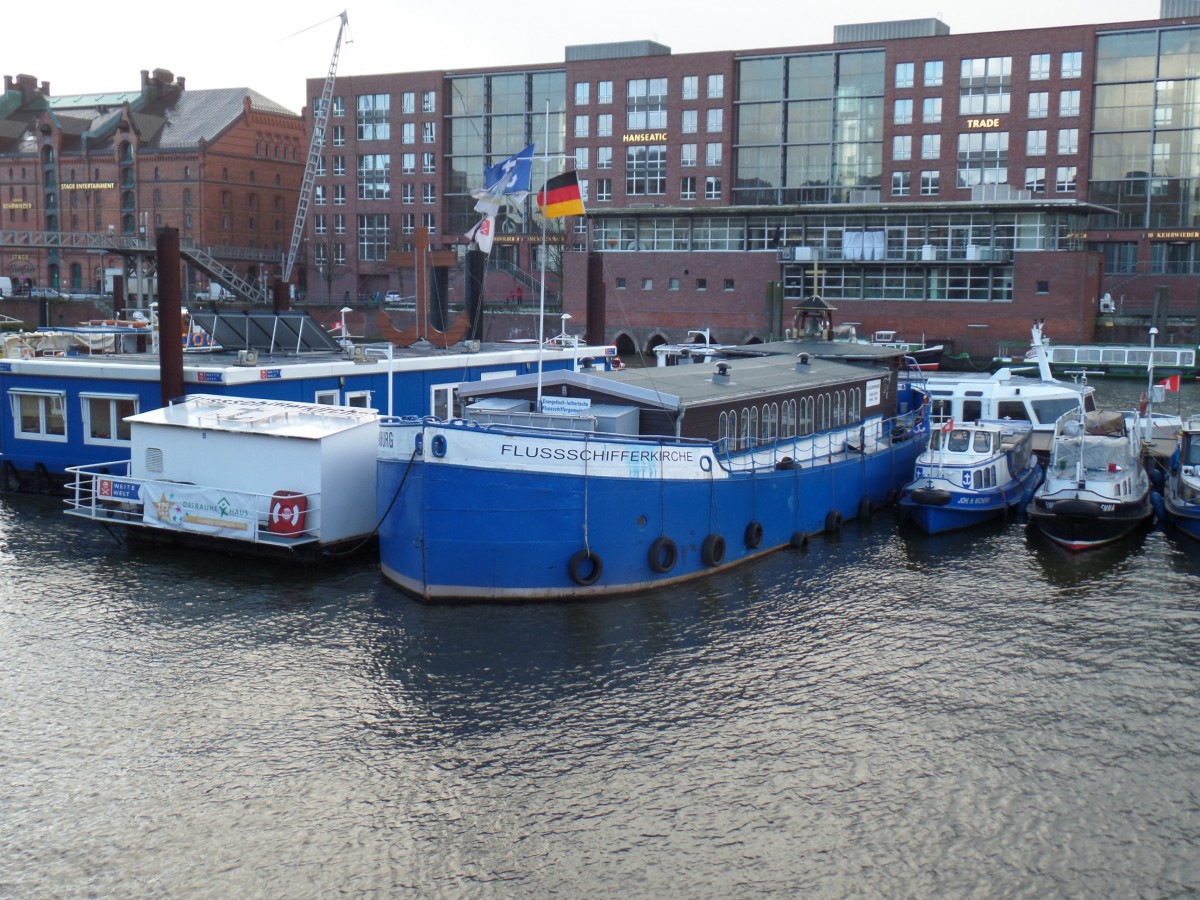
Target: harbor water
x,y
881,714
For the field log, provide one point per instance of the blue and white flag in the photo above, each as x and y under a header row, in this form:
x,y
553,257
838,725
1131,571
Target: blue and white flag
x,y
511,176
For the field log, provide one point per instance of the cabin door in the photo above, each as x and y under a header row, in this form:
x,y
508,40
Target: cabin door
x,y
443,401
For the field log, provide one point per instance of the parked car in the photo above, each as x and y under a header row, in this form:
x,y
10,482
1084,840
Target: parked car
x,y
391,297
47,293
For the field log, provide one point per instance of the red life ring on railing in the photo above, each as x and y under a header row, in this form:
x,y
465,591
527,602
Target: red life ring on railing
x,y
1142,404
289,510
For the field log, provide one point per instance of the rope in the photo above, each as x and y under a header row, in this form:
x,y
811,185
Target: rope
x,y
375,531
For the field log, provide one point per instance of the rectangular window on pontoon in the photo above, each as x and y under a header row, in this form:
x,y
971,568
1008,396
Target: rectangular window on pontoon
x,y
104,417
39,415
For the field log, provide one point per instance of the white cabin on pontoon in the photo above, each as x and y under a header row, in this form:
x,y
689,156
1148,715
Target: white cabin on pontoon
x,y
253,474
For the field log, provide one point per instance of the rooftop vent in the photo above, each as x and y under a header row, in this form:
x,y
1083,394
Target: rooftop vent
x,y
721,374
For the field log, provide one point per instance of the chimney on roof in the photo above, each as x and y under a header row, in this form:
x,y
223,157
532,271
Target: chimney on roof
x,y
158,82
27,85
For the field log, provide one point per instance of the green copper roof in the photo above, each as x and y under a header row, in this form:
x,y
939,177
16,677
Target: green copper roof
x,y
76,101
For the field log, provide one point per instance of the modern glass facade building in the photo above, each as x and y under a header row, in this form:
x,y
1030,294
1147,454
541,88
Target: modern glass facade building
x,y
954,186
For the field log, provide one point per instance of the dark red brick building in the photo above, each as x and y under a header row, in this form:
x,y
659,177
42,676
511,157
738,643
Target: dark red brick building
x,y
222,166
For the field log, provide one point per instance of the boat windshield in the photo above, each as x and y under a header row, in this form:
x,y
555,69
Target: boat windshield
x,y
1051,409
1191,453
1103,457
959,441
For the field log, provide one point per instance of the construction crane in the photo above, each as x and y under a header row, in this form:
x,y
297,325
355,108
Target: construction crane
x,y
316,142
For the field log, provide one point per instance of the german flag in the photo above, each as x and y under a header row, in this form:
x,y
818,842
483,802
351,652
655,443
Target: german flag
x,y
560,197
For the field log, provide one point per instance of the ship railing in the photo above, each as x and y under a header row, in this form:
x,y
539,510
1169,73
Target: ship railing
x,y
106,492
863,438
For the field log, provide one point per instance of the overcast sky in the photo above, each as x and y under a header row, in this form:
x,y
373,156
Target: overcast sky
x,y
86,47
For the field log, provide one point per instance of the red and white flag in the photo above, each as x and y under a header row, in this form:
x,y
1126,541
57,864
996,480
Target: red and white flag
x,y
482,233
948,426
1171,384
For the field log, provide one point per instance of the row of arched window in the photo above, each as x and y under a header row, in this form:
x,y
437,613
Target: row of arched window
x,y
754,426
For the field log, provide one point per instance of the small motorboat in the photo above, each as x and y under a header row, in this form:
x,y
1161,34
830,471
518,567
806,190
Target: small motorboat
x,y
970,473
1096,488
1181,492
921,355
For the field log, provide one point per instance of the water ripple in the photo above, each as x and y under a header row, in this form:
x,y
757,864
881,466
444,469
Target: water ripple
x,y
882,715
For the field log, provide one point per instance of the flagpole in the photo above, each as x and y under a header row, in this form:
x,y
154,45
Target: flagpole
x,y
542,298
1150,377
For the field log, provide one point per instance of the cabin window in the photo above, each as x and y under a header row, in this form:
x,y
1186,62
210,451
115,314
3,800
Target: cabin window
x,y
358,399
749,428
104,417
972,410
807,416
983,442
443,401
787,426
1012,409
732,433
39,415
959,441
839,408
329,398
856,405
822,412
770,423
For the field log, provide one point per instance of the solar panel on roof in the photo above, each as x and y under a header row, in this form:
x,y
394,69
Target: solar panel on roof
x,y
286,332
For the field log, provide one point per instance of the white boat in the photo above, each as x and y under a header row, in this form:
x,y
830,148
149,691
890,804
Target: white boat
x,y
923,356
1130,360
1006,395
697,347
972,472
1096,489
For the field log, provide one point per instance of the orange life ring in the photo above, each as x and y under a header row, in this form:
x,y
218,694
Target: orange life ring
x,y
1142,404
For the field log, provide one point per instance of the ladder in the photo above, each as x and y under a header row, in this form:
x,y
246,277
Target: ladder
x,y
316,142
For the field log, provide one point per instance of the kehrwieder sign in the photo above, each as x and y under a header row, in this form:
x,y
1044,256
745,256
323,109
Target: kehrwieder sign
x,y
1173,235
